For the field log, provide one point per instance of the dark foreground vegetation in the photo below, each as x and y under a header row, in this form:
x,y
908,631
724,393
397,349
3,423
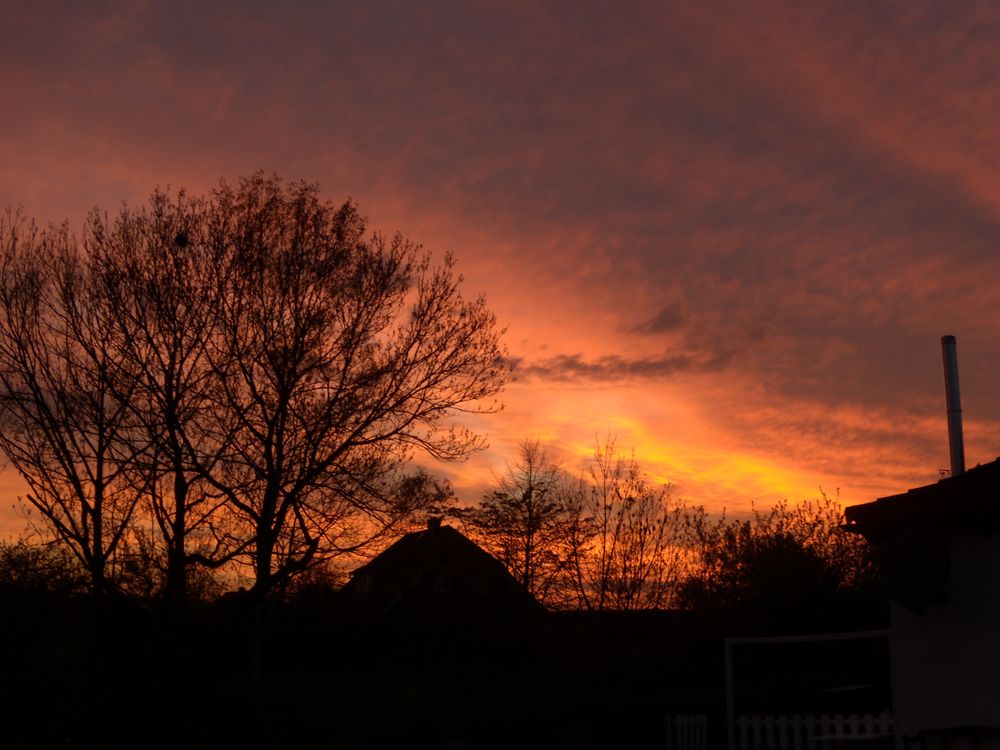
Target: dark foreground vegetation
x,y
335,678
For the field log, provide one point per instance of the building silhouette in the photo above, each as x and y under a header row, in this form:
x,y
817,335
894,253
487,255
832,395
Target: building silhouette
x,y
436,573
940,547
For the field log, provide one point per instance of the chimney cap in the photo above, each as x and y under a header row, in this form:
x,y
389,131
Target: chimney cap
x,y
433,523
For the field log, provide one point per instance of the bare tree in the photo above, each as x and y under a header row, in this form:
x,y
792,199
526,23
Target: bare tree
x,y
65,426
630,539
522,521
607,540
338,353
163,289
254,364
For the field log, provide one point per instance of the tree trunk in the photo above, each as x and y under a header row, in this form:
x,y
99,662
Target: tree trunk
x,y
262,628
175,595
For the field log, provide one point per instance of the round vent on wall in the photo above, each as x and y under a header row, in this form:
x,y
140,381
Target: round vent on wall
x,y
916,567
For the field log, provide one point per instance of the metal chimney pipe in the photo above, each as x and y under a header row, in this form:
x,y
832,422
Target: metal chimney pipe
x,y
955,443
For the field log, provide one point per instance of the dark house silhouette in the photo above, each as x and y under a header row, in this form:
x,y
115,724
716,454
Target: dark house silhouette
x,y
970,500
436,573
940,550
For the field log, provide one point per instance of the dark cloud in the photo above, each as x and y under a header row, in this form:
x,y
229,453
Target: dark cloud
x,y
615,368
670,318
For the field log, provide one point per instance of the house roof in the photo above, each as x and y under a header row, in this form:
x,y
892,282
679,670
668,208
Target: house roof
x,y
434,546
970,500
436,570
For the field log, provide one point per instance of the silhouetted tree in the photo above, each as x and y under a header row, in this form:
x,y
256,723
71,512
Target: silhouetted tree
x,y
606,540
31,568
790,556
425,495
630,539
522,521
65,426
338,352
163,286
253,367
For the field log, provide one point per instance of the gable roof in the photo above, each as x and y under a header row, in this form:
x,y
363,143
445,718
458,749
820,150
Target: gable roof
x,y
970,500
435,572
433,546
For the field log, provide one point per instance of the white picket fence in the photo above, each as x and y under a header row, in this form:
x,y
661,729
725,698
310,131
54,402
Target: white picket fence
x,y
687,731
809,732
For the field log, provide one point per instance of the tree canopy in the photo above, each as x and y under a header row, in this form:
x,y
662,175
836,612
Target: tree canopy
x,y
235,377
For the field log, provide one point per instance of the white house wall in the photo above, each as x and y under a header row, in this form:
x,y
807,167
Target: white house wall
x,y
946,661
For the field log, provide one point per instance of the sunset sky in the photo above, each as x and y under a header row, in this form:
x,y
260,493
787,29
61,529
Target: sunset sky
x,y
731,234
